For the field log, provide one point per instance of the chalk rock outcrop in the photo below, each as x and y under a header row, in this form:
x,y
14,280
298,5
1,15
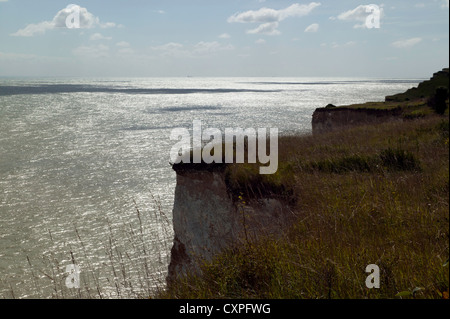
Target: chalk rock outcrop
x,y
206,218
331,119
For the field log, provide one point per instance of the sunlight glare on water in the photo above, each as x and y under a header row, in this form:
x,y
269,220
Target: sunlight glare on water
x,y
76,155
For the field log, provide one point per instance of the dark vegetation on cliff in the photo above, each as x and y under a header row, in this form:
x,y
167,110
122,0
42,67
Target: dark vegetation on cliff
x,y
368,195
428,97
425,89
373,194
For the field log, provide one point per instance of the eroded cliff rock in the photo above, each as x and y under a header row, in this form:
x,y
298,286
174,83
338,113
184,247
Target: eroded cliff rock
x,y
206,218
331,119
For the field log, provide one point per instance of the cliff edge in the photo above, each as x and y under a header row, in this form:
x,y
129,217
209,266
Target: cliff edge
x,y
396,108
330,119
215,210
207,218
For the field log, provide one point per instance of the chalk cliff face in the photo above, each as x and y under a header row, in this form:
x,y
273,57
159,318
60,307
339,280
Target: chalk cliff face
x,y
206,219
331,119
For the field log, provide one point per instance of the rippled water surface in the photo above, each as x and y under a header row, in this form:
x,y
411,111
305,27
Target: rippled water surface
x,y
85,175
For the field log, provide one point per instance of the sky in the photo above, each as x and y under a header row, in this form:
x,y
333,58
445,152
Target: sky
x,y
223,38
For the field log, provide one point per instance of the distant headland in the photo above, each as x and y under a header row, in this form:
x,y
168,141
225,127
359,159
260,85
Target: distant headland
x,y
415,103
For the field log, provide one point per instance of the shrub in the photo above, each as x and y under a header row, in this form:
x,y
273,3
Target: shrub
x,y
391,159
244,180
356,163
443,128
398,159
438,101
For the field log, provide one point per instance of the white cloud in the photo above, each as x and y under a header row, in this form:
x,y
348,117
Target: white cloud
x,y
94,51
401,44
260,41
265,15
202,48
108,25
312,28
350,44
124,48
269,28
99,36
211,47
359,14
269,19
32,29
123,44
87,21
126,51
168,46
224,36
171,49
336,45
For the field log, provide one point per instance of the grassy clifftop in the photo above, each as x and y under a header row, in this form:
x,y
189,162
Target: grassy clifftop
x,y
413,103
368,195
372,194
425,89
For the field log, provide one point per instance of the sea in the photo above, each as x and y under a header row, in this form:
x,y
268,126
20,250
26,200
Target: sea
x,y
86,185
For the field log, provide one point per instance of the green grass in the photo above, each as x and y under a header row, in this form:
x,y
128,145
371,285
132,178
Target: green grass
x,y
388,159
424,89
375,106
409,110
369,195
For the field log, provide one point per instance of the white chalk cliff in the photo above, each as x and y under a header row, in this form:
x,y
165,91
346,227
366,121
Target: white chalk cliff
x,y
206,218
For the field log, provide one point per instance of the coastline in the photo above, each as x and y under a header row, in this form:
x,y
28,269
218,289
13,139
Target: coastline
x,y
341,182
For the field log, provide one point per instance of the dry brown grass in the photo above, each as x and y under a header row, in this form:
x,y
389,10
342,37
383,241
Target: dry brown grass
x,y
395,216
